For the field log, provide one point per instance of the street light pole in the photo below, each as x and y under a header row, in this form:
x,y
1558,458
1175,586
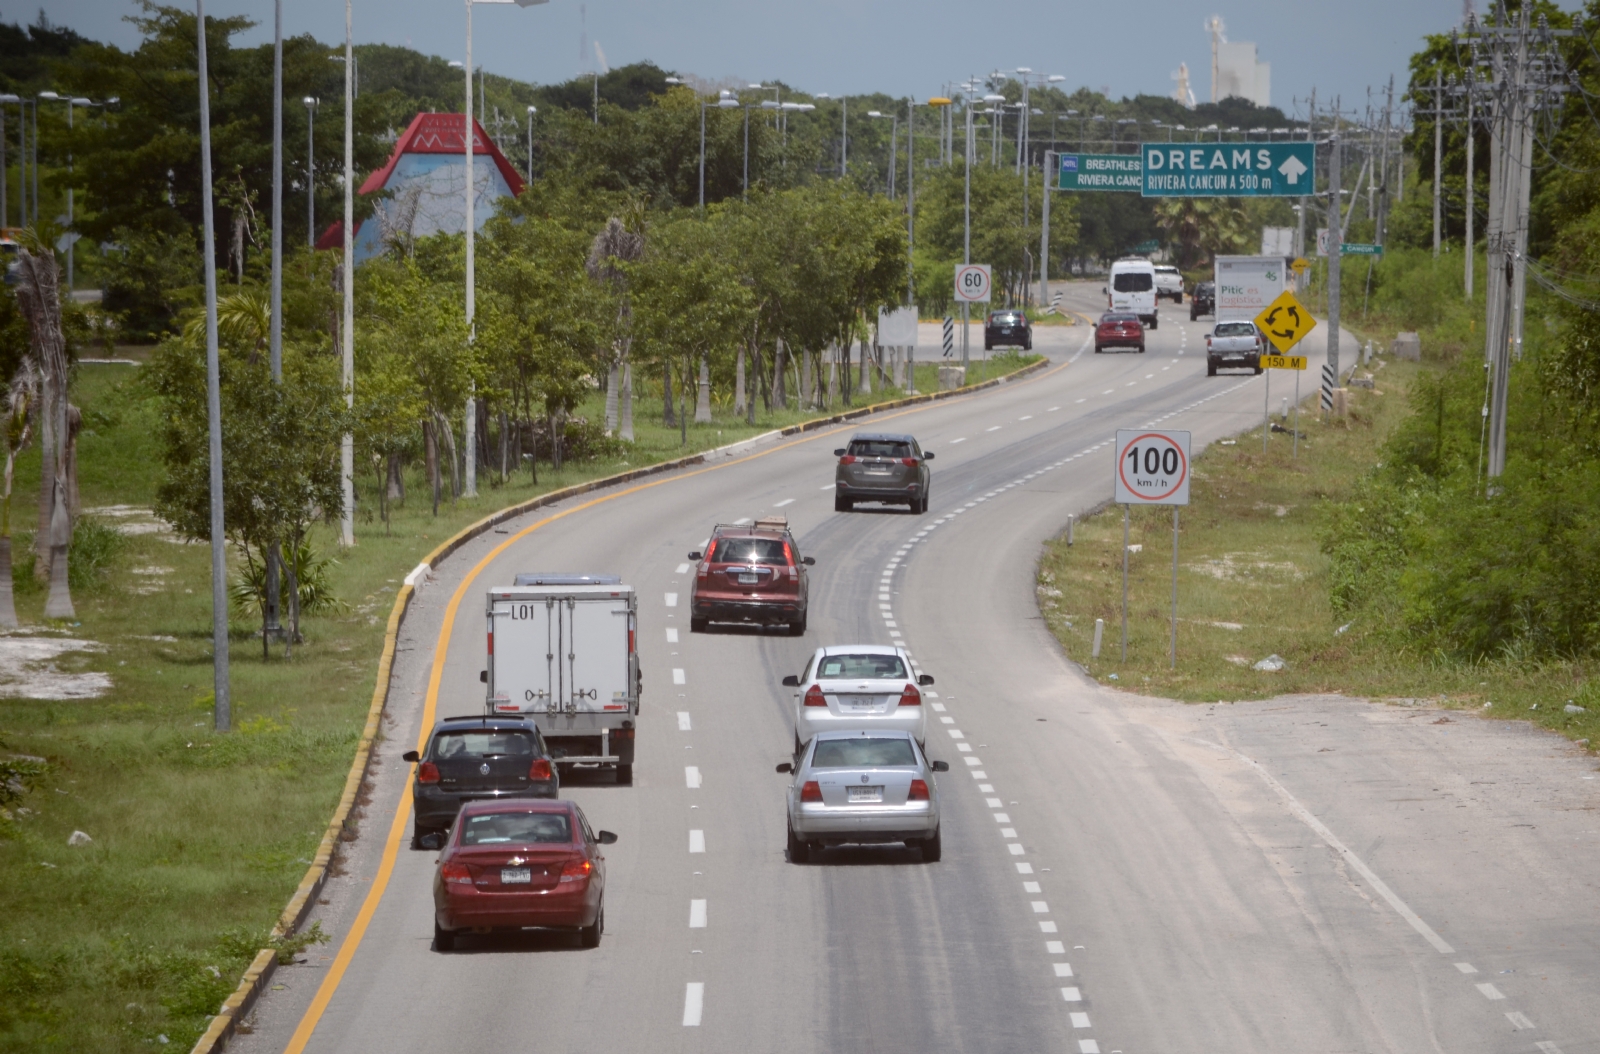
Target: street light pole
x,y
220,708
347,445
311,170
275,338
531,111
966,228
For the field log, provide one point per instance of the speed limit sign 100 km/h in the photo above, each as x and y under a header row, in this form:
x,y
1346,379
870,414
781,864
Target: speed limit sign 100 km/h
x,y
1152,467
973,283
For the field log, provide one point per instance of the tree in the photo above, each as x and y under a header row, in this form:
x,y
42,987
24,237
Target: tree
x,y
280,449
16,429
1204,228
614,247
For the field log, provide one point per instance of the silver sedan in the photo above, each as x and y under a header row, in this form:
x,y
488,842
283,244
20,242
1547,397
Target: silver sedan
x,y
863,788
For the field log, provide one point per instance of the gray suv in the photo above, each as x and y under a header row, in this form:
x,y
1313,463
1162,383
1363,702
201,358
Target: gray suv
x,y
884,467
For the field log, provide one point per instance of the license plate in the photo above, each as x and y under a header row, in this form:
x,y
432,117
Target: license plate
x,y
866,794
861,705
749,578
511,876
877,471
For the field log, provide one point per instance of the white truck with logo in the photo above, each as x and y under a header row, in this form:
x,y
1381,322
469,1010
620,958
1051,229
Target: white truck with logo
x,y
1245,285
562,650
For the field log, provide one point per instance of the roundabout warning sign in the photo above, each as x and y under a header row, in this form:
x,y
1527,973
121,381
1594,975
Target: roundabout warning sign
x,y
1152,467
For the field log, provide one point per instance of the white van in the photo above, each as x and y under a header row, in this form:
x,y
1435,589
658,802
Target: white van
x,y
1132,289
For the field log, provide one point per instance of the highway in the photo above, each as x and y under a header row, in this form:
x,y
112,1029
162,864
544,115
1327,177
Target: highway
x,y
1120,874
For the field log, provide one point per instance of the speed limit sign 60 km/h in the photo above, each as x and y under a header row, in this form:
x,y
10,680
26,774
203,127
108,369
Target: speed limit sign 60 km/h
x,y
973,283
1152,467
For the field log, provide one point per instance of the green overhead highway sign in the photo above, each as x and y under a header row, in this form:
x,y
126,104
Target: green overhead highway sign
x,y
1100,172
1228,170
1360,249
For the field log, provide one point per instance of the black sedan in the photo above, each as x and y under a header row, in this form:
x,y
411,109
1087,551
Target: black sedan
x,y
1009,328
483,758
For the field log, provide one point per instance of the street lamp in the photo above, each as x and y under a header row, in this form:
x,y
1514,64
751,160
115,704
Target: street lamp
x,y
469,149
311,169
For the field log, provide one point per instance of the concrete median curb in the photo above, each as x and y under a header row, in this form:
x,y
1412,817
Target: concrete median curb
x,y
222,1027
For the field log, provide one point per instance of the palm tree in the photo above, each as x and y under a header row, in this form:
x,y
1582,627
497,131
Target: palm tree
x,y
1203,228
618,244
39,293
16,429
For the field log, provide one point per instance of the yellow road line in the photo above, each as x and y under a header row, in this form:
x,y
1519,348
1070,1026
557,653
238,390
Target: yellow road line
x,y
397,828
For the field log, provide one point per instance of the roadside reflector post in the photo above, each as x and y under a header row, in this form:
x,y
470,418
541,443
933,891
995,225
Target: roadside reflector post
x,y
1296,453
1069,528
1099,628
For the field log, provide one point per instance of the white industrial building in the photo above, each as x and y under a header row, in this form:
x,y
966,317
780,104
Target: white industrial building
x,y
1237,71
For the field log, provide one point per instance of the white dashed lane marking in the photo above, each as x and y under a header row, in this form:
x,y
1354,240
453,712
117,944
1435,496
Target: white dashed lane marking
x,y
694,1001
683,715
672,635
683,569
672,600
697,841
1490,991
778,505
697,914
677,677
963,439
691,777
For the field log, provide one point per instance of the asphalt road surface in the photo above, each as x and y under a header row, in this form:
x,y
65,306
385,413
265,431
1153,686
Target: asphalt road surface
x,y
1119,874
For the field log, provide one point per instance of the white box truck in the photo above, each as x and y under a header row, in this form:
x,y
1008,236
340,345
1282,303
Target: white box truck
x,y
562,649
1247,284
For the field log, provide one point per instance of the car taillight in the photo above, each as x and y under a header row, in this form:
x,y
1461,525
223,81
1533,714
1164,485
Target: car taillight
x,y
540,770
810,791
909,461
427,772
919,791
848,459
814,696
456,874
578,869
911,697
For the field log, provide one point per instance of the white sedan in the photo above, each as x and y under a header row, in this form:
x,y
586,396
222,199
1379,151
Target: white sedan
x,y
851,687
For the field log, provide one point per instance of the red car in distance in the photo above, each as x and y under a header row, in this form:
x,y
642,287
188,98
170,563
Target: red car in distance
x,y
516,865
1119,330
751,573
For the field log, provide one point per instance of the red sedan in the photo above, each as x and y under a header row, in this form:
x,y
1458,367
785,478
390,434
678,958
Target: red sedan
x,y
512,865
1119,330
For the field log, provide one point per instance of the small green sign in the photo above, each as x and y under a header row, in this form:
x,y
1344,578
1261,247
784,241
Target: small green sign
x,y
1144,248
1360,249
1101,172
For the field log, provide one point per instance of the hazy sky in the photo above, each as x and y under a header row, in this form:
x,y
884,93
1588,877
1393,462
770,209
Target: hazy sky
x,y
897,46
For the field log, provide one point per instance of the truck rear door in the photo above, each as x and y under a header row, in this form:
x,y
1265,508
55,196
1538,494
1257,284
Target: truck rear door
x,y
594,671
524,641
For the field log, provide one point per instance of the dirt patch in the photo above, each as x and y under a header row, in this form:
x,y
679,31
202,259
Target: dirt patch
x,y
28,669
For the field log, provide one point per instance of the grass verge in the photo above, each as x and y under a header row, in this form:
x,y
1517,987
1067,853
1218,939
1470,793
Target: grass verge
x,y
130,941
1253,583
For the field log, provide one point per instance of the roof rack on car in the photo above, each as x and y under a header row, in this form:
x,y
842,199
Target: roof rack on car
x,y
564,578
764,523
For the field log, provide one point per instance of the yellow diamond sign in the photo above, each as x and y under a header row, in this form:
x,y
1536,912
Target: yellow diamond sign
x,y
1285,321
1300,264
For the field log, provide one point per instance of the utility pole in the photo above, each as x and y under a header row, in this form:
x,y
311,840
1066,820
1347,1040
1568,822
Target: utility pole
x,y
1044,232
1472,208
1438,152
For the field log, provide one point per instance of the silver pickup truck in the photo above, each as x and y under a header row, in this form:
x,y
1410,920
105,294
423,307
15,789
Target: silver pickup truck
x,y
1233,344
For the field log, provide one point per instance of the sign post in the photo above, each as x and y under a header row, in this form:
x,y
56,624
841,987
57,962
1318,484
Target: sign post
x,y
1152,468
1285,322
973,285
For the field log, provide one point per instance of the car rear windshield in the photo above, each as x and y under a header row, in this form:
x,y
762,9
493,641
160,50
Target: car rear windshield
x,y
1005,318
1132,282
879,448
1119,318
482,743
1234,329
855,666
862,753
1159,270
516,828
748,551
